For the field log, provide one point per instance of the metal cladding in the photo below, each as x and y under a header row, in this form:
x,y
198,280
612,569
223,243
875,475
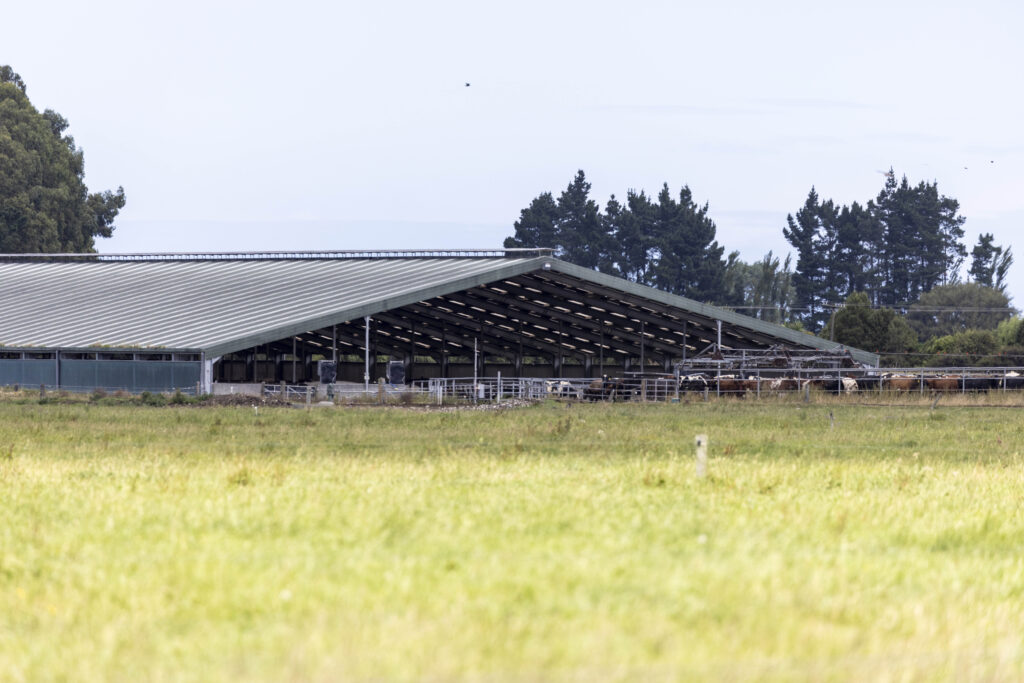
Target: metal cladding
x,y
221,303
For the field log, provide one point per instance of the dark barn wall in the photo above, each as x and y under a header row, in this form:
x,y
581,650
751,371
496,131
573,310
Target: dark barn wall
x,y
110,375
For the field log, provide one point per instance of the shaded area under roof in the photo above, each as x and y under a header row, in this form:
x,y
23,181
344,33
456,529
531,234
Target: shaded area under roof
x,y
219,304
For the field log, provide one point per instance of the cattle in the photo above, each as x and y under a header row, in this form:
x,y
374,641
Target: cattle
x,y
781,384
1012,381
869,382
943,384
736,386
693,383
979,383
610,389
901,383
562,389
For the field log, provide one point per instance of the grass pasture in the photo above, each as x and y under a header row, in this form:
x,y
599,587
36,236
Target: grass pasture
x,y
553,542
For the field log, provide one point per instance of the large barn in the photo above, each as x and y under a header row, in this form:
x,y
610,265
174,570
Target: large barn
x,y
161,322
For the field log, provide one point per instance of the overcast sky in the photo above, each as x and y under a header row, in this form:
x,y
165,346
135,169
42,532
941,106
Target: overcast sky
x,y
327,125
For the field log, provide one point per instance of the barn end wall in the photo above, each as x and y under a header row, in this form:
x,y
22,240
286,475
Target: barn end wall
x,y
82,375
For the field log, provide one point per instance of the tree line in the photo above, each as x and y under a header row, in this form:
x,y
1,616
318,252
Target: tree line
x,y
884,276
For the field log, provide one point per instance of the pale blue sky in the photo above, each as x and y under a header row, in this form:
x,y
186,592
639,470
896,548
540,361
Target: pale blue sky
x,y
314,125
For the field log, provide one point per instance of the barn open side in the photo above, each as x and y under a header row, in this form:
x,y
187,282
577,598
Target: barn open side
x,y
164,321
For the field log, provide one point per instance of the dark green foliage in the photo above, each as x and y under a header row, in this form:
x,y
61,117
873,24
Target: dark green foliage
x,y
685,257
948,309
970,347
920,246
573,226
763,289
44,203
669,244
812,232
859,325
897,247
990,263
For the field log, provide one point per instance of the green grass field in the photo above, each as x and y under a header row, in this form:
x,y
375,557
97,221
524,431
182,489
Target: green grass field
x,y
553,542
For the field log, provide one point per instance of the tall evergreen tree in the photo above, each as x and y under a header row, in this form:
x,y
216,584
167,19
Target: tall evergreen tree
x,y
686,259
921,240
635,238
572,226
812,233
537,226
582,239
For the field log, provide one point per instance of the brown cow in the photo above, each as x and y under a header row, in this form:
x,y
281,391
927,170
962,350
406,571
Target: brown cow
x,y
901,383
943,384
736,387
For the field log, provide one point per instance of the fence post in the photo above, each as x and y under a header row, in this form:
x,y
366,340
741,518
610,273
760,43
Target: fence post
x,y
702,455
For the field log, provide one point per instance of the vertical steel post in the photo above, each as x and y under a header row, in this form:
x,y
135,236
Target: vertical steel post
x,y
684,342
366,355
642,339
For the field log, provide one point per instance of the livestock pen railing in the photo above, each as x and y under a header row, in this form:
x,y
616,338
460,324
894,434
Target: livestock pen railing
x,y
664,387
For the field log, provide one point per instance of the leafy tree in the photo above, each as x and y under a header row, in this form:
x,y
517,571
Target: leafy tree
x,y
1010,332
964,348
948,309
859,325
990,263
44,203
764,289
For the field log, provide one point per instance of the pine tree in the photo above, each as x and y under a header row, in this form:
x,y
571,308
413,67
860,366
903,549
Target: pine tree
x,y
581,236
685,258
537,226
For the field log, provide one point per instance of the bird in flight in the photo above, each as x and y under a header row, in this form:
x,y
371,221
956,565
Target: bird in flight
x,y
467,85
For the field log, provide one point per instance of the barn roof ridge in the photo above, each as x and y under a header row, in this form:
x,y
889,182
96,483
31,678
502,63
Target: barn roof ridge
x,y
281,255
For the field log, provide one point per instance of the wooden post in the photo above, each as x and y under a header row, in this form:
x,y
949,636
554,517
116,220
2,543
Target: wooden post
x,y
702,455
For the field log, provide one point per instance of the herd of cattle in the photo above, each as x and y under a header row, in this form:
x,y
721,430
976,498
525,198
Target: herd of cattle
x,y
632,388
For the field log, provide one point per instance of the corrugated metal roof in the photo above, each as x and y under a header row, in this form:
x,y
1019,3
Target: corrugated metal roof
x,y
215,305
220,305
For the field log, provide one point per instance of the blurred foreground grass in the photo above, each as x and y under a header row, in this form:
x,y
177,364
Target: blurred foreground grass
x,y
552,542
